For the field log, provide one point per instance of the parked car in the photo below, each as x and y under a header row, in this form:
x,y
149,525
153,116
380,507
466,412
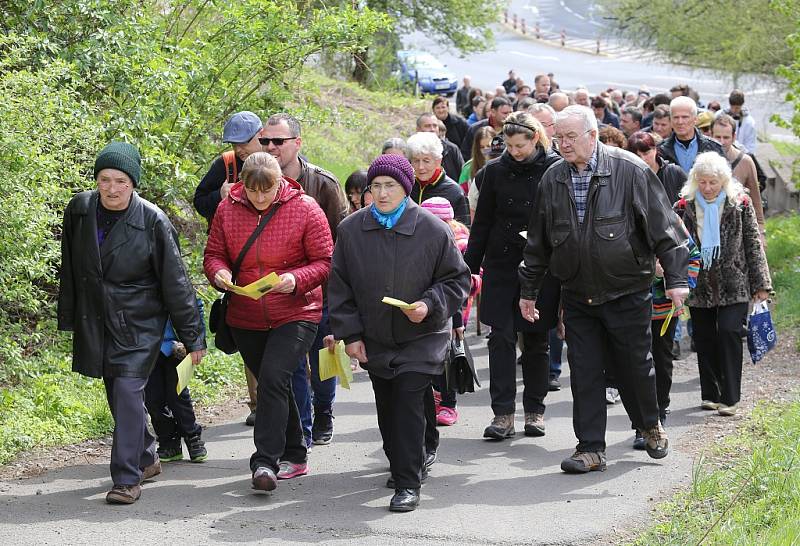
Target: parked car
x,y
422,69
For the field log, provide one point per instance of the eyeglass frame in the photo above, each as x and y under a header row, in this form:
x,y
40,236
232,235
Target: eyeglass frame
x,y
571,140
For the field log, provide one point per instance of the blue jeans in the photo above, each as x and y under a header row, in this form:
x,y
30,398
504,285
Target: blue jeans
x,y
320,393
556,350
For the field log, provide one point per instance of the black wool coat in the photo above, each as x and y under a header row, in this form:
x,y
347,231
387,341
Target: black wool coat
x,y
508,192
116,298
415,260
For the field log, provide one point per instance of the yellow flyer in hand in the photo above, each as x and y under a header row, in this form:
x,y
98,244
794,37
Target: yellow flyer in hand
x,y
398,303
336,364
665,326
185,370
255,290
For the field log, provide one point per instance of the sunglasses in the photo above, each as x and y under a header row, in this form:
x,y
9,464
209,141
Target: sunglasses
x,y
276,141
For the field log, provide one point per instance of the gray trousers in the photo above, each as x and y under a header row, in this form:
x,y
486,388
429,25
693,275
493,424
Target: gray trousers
x,y
133,448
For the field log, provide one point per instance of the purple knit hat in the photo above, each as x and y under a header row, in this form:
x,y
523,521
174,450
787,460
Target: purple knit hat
x,y
440,207
395,166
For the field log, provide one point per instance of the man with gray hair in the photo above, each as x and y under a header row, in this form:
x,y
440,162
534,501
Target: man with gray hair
x,y
686,141
601,220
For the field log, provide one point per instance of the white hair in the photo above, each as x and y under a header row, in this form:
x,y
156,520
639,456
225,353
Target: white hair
x,y
422,144
537,107
711,164
583,113
683,101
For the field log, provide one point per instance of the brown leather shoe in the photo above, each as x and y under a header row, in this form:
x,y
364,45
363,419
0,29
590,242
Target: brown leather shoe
x,y
534,424
151,471
123,494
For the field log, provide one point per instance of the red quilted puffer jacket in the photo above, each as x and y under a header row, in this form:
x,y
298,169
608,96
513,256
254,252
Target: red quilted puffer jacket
x,y
296,240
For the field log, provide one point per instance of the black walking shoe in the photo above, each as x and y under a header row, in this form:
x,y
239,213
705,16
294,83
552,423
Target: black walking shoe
x,y
197,448
404,500
582,462
430,458
169,452
554,384
250,421
264,479
322,429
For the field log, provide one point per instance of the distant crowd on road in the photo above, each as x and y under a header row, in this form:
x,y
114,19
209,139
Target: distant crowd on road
x,y
599,220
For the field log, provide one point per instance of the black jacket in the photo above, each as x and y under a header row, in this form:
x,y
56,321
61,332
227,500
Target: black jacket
x,y
672,177
462,101
448,189
466,143
116,298
456,128
508,192
416,260
704,144
628,223
452,161
206,195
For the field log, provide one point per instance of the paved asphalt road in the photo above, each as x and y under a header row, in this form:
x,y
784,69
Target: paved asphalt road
x,y
479,492
622,67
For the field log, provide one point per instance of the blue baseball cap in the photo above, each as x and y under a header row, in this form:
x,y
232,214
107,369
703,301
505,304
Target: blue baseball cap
x,y
241,128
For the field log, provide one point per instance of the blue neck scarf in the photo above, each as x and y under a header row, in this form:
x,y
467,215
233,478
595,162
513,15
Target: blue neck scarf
x,y
388,219
709,244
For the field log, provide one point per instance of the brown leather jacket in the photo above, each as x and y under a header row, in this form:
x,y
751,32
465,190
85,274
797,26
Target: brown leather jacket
x,y
326,191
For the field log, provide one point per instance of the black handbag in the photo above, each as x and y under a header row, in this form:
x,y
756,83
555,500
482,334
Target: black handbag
x,y
223,337
459,368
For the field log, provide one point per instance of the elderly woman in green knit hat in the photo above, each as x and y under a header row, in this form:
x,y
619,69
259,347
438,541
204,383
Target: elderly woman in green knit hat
x,y
121,277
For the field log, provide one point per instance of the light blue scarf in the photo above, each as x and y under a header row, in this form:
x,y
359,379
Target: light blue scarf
x,y
388,219
709,245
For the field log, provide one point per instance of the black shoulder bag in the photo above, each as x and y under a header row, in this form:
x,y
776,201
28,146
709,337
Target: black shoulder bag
x,y
223,338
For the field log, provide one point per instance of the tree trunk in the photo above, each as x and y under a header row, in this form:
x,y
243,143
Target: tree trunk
x,y
361,70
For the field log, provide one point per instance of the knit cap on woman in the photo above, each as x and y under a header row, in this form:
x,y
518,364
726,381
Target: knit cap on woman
x,y
395,166
440,207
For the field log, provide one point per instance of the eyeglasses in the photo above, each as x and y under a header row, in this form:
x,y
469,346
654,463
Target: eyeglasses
x,y
389,187
561,140
276,141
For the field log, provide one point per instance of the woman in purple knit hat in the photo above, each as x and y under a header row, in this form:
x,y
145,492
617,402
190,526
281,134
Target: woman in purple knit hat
x,y
411,258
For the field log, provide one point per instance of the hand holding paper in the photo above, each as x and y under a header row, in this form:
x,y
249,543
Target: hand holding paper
x,y
398,303
185,370
336,364
255,290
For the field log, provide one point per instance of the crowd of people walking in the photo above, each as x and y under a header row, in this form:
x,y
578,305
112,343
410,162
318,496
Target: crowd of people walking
x,y
591,219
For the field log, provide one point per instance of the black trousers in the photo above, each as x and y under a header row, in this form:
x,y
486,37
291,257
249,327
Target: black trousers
x,y
503,370
272,357
171,413
717,337
662,362
133,447
615,334
400,402
431,432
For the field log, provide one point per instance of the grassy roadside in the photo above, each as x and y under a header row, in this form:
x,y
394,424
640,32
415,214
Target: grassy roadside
x,y
747,490
48,405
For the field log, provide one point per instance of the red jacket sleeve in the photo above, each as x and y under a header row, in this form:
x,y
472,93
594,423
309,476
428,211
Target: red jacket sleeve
x,y
318,245
216,255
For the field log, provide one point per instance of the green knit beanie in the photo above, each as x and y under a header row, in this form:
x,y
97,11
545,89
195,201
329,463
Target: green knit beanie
x,y
121,156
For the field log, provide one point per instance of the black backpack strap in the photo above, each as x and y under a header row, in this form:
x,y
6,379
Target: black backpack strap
x,y
264,219
737,160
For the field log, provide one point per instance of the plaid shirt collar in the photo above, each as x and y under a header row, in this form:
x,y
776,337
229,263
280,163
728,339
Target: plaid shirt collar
x,y
591,166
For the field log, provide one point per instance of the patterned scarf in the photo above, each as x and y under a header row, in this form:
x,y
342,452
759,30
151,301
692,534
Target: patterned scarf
x,y
709,245
388,219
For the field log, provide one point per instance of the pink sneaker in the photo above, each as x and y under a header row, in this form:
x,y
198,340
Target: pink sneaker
x,y
446,416
287,470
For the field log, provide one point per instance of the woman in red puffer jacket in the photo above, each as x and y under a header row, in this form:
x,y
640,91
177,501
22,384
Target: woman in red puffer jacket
x,y
272,333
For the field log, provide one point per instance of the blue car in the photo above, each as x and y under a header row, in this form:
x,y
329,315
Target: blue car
x,y
425,70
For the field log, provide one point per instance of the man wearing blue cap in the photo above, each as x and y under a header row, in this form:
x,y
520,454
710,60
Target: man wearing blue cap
x,y
242,130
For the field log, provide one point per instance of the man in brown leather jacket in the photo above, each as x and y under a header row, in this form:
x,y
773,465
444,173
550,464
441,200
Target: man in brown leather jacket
x,y
601,219
281,138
